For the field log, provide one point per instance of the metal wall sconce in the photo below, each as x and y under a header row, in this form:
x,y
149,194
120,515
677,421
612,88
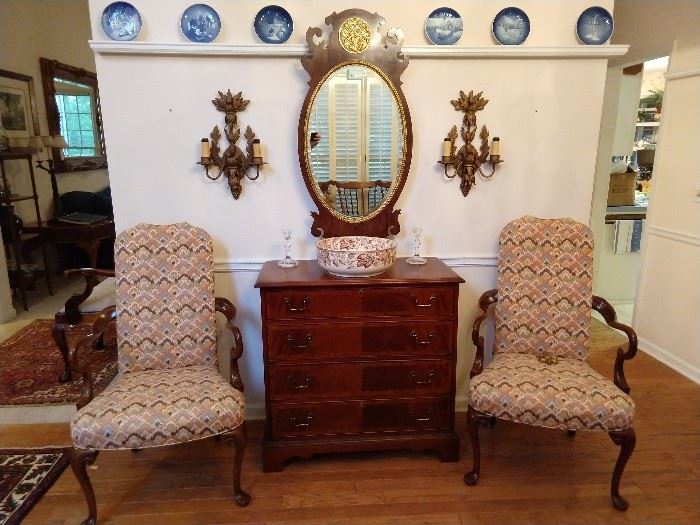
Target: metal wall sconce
x,y
55,142
468,161
233,163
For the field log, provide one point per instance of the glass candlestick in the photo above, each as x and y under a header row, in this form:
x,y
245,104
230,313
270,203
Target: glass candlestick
x,y
416,258
288,261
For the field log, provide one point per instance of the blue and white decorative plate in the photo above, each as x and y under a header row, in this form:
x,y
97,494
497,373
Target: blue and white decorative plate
x,y
121,21
200,23
594,26
511,26
273,24
444,26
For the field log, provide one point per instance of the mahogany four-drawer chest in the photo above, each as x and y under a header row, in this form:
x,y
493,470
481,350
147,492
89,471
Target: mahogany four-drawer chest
x,y
357,364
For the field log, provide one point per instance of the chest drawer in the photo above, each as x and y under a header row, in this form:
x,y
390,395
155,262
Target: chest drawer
x,y
358,380
300,303
312,341
361,417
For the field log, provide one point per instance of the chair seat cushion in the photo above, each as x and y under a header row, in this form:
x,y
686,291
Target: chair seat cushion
x,y
159,407
567,394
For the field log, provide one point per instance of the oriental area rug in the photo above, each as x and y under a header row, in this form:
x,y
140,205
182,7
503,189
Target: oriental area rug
x,y
25,475
30,364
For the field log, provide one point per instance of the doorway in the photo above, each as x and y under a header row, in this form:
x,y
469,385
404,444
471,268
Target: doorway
x,y
619,221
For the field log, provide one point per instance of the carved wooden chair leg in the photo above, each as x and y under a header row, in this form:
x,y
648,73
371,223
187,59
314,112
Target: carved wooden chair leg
x,y
474,419
80,458
239,441
571,433
626,439
59,336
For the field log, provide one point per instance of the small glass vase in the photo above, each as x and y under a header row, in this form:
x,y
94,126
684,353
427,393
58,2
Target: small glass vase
x,y
288,261
416,257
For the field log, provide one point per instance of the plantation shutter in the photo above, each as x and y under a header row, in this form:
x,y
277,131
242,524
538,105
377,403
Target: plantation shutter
x,y
319,156
347,126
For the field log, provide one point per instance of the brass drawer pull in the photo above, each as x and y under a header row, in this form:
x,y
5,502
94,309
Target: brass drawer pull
x,y
299,386
430,340
292,343
428,415
431,302
304,303
427,381
306,424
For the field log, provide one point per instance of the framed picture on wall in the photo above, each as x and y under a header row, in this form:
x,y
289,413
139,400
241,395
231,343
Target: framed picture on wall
x,y
18,116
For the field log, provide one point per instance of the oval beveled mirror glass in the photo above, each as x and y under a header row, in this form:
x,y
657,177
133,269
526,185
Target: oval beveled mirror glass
x,y
356,140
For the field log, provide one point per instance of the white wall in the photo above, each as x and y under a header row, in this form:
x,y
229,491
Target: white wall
x,y
651,27
628,106
667,311
30,29
156,108
667,305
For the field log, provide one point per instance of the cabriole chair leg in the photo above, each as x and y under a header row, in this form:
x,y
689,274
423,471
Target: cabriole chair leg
x,y
626,439
239,441
80,458
474,419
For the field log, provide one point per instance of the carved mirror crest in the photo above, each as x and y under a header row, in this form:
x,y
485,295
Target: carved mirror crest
x,y
355,137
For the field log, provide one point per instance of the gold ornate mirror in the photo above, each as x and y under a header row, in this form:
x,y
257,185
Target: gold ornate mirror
x,y
355,134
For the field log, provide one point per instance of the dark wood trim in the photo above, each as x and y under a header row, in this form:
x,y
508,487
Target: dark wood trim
x,y
633,70
50,69
485,301
32,96
603,307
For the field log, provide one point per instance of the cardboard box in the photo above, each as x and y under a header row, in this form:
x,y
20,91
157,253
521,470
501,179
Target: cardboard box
x,y
621,188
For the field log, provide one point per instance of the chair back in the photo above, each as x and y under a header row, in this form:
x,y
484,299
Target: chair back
x,y
545,276
355,199
165,297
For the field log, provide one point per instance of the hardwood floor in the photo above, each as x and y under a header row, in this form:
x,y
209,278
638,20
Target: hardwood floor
x,y
528,475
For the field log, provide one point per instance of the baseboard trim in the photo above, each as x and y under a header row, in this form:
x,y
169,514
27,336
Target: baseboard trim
x,y
670,360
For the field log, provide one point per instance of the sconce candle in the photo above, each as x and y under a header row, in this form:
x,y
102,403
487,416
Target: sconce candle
x,y
446,150
496,147
205,149
257,152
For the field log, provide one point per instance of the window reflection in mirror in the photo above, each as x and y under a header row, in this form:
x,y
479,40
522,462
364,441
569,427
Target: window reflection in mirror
x,y
76,111
356,140
72,103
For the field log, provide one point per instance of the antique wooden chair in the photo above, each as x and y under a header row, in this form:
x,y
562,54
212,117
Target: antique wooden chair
x,y
82,307
168,389
539,375
355,198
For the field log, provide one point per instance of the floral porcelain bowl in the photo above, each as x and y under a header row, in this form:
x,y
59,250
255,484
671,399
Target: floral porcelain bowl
x,y
355,256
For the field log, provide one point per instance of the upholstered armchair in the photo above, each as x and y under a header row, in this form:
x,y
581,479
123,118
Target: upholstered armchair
x,y
82,307
168,389
539,375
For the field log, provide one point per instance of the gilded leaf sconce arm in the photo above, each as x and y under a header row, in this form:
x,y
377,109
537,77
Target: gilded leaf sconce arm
x,y
232,163
467,161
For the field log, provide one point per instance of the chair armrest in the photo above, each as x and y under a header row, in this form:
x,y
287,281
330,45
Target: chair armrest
x,y
72,311
603,307
85,345
485,301
226,307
